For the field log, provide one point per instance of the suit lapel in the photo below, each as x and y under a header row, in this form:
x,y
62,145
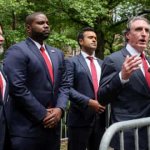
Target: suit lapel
x,y
85,66
99,62
148,59
36,51
6,86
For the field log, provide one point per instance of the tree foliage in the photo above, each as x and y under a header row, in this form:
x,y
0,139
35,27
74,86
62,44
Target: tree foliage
x,y
67,17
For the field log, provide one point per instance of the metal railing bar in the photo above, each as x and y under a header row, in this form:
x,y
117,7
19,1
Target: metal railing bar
x,y
136,137
148,134
136,123
121,140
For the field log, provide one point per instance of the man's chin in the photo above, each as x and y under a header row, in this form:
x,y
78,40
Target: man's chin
x,y
93,48
45,37
140,48
143,46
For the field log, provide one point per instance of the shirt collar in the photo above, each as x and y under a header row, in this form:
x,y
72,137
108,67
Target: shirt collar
x,y
132,50
85,55
37,44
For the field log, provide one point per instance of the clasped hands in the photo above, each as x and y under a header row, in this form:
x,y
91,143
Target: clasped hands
x,y
52,117
96,106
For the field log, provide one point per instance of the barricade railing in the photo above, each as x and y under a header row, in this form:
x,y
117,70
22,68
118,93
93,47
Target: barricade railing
x,y
63,132
121,127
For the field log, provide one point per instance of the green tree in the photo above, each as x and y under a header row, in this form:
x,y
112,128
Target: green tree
x,y
107,17
12,20
67,17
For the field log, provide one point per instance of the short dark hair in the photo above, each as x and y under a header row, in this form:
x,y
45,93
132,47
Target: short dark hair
x,y
30,18
80,35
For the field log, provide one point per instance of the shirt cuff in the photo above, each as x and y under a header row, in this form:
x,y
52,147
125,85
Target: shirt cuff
x,y
122,80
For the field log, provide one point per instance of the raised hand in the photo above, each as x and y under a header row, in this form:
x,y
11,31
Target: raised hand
x,y
130,64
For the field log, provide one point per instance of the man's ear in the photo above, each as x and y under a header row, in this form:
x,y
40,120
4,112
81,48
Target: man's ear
x,y
127,35
28,28
80,41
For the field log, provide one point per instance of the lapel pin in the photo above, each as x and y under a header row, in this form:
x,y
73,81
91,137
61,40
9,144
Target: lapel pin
x,y
53,51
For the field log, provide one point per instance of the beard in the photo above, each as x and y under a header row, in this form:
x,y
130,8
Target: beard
x,y
40,36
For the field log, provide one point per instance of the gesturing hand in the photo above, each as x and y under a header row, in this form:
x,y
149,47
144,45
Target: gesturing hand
x,y
130,64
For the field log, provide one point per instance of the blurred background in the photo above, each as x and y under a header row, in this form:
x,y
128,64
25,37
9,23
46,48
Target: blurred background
x,y
67,17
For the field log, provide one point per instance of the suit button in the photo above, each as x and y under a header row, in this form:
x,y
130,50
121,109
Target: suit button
x,y
48,85
107,85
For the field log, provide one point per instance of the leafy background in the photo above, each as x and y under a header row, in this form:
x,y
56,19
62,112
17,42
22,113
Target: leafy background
x,y
67,17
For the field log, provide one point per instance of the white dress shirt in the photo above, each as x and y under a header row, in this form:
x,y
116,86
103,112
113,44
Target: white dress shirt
x,y
98,68
39,46
4,85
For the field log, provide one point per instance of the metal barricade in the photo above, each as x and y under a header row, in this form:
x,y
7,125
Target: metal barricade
x,y
121,127
63,133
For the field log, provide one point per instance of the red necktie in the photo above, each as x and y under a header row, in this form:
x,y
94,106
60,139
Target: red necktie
x,y
94,75
48,63
145,66
1,85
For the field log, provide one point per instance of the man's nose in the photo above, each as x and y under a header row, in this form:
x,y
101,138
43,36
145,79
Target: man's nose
x,y
144,32
94,39
46,25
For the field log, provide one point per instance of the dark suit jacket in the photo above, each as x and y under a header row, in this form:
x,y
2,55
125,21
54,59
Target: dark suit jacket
x,y
128,101
31,88
3,123
80,115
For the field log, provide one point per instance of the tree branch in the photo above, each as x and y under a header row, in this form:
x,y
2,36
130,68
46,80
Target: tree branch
x,y
144,12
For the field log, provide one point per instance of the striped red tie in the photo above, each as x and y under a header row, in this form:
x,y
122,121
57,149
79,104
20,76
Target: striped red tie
x,y
48,63
94,75
145,66
1,85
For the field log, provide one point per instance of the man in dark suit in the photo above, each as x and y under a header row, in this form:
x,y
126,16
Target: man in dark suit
x,y
124,81
4,135
85,122
38,87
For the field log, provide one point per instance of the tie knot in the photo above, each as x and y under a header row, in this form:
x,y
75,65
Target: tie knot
x,y
143,55
42,49
90,58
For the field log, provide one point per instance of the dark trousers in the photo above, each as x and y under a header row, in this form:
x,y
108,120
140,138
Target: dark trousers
x,y
4,135
21,143
7,143
48,141
83,138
